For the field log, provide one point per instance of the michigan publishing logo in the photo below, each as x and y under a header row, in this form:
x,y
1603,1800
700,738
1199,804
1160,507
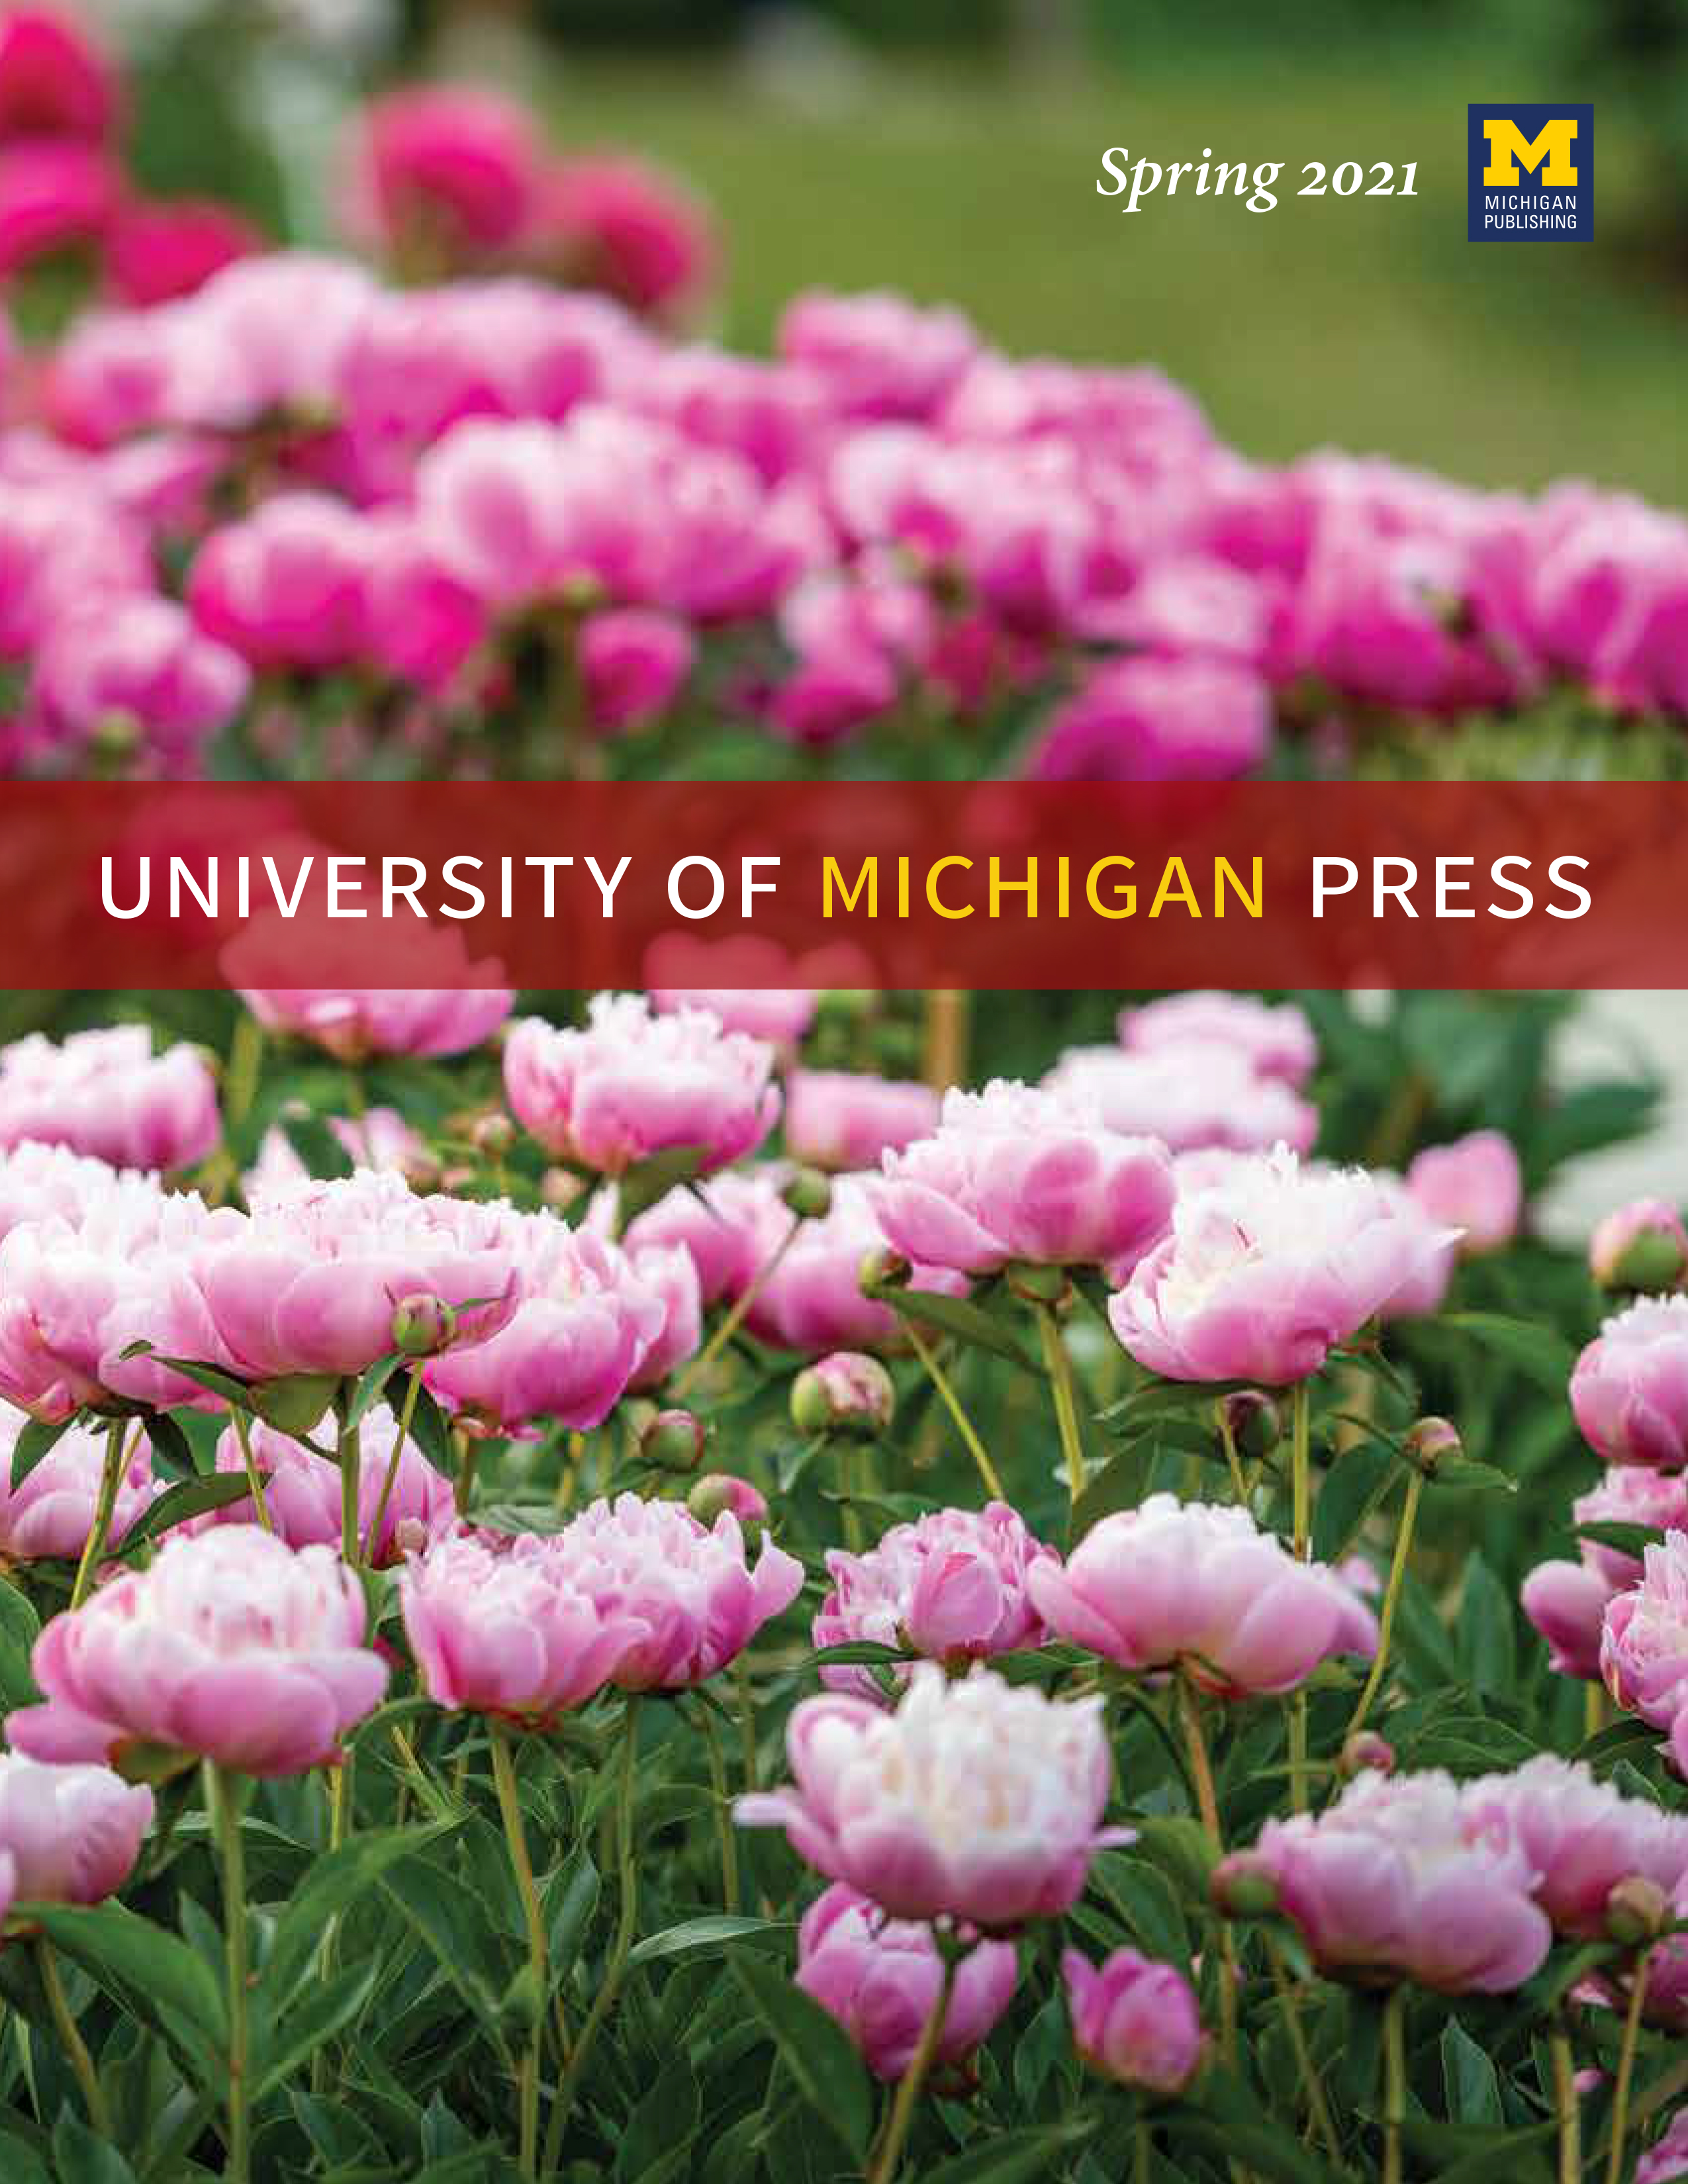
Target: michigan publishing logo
x,y
1532,174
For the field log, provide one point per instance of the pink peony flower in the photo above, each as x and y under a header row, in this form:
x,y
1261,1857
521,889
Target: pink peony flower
x,y
72,1834
1425,1289
1474,1185
1630,1389
1205,1094
1642,1245
1017,1173
971,1800
669,1273
1266,1271
140,663
285,587
812,1298
630,1084
160,248
38,1181
1566,1602
877,356
301,1491
880,1978
1192,1585
729,1226
1401,1878
634,663
1146,719
1581,1836
1644,1644
834,1119
952,1585
56,194
721,1489
380,1137
357,1021
617,225
694,1599
444,173
683,970
232,1647
1134,2021
583,1325
1275,1036
50,1515
1667,2159
106,1092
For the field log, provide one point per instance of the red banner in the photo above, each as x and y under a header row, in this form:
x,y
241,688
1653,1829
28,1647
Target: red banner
x,y
989,885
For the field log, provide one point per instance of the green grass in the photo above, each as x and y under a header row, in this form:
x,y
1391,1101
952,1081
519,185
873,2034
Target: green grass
x,y
1370,325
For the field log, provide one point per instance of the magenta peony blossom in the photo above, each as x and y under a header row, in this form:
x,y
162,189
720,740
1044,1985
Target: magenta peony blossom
x,y
1630,1389
1146,719
632,665
1581,1837
971,1800
1401,1878
617,225
108,1094
301,1491
877,356
1017,1173
56,194
160,248
1275,1036
72,1833
140,663
1644,1644
504,1627
630,1084
1134,2021
880,1978
813,1299
54,80
690,1588
285,587
354,1022
1474,1185
584,1324
233,1648
1667,2159
1195,1586
1266,1271
952,1585
1642,1245
445,173
50,1515
1203,1093
834,1119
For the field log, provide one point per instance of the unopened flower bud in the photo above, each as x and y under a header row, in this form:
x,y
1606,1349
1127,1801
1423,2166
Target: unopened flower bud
x,y
847,1393
421,1171
423,1325
560,1187
718,1491
674,1440
1429,1444
808,1194
410,1536
493,1136
1366,1752
1242,1886
1641,1247
882,1268
1252,1422
1038,1285
1637,1910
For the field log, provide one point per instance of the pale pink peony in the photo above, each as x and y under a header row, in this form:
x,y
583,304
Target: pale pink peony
x,y
730,1225
49,1517
952,1585
683,970
1134,2021
671,1274
1641,1245
1425,1289
880,1978
812,1298
1203,1093
1194,1586
1266,1271
1566,1600
1014,1173
1401,1878
1276,1036
1630,1389
107,1093
72,1833
836,1119
356,1021
1474,1185
301,1491
37,1181
973,1799
1581,1837
233,1648
630,1084
379,1138
1644,1644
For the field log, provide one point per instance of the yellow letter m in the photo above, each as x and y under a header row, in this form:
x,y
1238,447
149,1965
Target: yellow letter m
x,y
1508,145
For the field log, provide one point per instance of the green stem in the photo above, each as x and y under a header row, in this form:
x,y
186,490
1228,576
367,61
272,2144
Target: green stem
x,y
735,1318
1234,1463
1301,1482
99,1532
521,1865
610,1982
888,2153
226,1819
468,1449
1626,2069
1318,2111
246,1061
1295,1716
1059,1367
1397,1572
1394,2082
1566,2104
339,1823
725,1838
350,1457
1207,1804
952,1403
1140,2139
413,1387
254,1478
71,2039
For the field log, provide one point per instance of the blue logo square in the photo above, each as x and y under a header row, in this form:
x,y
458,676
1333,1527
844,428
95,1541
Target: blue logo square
x,y
1531,174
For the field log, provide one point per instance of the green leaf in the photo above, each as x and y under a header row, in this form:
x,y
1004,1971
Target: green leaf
x,y
336,1880
170,1444
20,1627
146,1970
817,2053
326,2009
188,1497
32,1444
1119,1485
658,2133
968,1323
1628,1539
431,1434
1535,1348
1011,2157
1487,1628
1146,1901
1469,2081
315,1144
712,1931
232,1391
371,1384
293,1402
80,2157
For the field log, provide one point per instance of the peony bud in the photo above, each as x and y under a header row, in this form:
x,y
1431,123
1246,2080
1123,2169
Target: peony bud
x,y
423,1325
1429,1444
1641,1247
808,1194
494,1137
1243,1886
1251,1419
1367,1751
674,1440
559,1188
847,1393
718,1491
882,1268
1637,1910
